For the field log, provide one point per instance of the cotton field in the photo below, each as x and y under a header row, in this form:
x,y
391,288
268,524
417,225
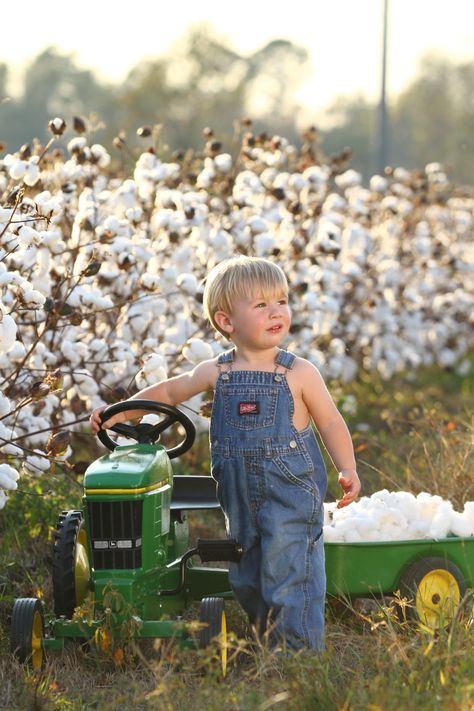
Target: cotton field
x,y
101,275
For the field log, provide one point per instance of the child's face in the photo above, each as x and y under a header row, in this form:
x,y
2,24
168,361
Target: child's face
x,y
260,321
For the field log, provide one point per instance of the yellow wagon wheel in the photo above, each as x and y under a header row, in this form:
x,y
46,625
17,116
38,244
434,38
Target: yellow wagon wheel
x,y
215,631
434,588
27,632
71,565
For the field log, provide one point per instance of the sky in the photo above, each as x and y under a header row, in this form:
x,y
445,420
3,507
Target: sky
x,y
343,37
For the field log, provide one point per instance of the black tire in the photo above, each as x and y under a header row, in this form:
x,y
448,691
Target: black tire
x,y
434,588
27,632
215,632
71,567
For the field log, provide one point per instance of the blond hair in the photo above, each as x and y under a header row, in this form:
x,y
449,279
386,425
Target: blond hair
x,y
238,277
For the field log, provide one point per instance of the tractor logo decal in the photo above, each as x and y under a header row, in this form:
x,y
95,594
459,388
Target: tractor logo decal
x,y
124,543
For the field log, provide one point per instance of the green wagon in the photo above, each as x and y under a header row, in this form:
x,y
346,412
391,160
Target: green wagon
x,y
433,575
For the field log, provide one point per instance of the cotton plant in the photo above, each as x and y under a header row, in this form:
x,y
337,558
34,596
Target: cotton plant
x,y
8,482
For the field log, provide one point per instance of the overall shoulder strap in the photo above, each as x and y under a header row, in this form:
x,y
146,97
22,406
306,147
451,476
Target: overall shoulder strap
x,y
226,357
286,359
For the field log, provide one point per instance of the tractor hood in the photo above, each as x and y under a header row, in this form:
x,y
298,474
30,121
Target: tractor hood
x,y
133,469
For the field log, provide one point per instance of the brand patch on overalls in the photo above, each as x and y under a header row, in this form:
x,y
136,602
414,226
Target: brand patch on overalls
x,y
249,408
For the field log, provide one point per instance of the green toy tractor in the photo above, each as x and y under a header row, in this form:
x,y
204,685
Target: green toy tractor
x,y
122,567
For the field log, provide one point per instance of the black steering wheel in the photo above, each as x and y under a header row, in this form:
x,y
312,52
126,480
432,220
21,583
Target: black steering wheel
x,y
144,432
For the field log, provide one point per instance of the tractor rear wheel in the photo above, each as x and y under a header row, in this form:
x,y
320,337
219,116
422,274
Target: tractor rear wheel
x,y
215,632
435,587
27,632
71,566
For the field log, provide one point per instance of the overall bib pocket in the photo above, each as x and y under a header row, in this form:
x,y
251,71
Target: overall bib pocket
x,y
249,407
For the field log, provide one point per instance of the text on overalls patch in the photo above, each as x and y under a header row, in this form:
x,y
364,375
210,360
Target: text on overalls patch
x,y
249,408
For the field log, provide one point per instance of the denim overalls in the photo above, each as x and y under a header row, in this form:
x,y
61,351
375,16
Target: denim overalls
x,y
271,486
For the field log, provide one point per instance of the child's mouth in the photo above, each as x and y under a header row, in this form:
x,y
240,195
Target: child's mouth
x,y
275,329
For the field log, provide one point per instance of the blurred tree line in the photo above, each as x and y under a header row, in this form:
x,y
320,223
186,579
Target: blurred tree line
x,y
206,83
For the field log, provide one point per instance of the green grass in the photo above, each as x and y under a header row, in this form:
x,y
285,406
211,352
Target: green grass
x,y
418,436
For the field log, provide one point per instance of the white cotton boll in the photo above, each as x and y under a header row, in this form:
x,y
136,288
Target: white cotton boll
x,y
154,367
100,155
8,477
269,175
36,463
440,525
197,350
10,448
330,534
316,175
348,179
5,405
78,143
134,214
74,352
447,357
378,183
5,215
32,172
6,480
17,169
460,525
85,382
205,178
469,510
8,329
111,224
151,282
433,168
187,283
33,298
257,224
297,182
264,244
407,502
382,495
223,162
168,279
27,235
354,242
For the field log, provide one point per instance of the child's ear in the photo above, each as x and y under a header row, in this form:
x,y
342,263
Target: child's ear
x,y
223,321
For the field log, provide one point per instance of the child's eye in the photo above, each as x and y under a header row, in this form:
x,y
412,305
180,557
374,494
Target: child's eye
x,y
283,301
261,305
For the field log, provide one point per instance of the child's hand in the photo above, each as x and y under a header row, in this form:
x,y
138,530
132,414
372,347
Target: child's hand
x,y
350,484
95,419
96,423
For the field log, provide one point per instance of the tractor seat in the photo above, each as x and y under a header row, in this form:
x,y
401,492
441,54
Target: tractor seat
x,y
194,492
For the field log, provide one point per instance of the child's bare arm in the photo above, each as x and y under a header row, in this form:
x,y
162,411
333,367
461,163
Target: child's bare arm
x,y
171,391
332,428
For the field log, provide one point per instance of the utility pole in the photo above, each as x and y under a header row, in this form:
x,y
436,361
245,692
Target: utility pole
x,y
382,116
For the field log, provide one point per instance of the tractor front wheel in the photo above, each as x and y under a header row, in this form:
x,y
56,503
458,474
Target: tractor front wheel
x,y
71,566
434,587
27,632
215,631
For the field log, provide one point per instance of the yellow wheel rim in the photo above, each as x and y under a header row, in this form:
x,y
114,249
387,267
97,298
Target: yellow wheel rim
x,y
82,569
36,641
223,643
437,598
